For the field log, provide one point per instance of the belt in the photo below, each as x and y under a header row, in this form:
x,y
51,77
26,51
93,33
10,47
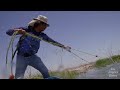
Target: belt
x,y
25,54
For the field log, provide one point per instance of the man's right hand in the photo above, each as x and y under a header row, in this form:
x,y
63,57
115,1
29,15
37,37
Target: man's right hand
x,y
20,31
67,48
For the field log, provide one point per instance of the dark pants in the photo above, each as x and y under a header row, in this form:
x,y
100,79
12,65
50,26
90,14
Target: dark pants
x,y
34,61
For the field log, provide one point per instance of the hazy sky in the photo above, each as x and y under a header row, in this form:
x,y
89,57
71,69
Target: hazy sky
x,y
95,32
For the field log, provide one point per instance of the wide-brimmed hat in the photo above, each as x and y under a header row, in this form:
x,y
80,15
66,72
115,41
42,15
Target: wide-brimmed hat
x,y
41,18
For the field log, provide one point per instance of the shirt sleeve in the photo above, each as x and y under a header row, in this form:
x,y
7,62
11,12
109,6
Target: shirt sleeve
x,y
50,40
11,31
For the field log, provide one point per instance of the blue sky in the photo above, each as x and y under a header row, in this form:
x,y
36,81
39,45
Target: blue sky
x,y
95,32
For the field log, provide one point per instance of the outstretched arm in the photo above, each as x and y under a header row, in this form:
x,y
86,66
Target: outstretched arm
x,y
49,40
45,37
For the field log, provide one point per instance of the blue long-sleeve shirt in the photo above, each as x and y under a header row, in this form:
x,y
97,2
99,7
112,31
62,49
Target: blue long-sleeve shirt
x,y
30,45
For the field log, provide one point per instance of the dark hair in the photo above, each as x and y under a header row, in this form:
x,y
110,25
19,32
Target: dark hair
x,y
36,24
39,23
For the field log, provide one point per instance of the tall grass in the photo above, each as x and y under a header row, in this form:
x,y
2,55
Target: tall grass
x,y
63,75
107,61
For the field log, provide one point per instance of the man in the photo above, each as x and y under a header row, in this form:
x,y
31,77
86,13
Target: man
x,y
28,46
